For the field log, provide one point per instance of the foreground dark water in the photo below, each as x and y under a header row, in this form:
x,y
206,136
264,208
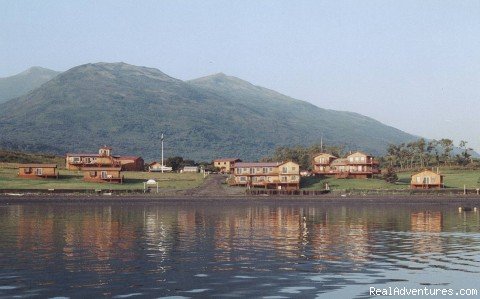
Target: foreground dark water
x,y
220,249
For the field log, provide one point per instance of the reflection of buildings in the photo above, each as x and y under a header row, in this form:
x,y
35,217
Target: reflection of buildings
x,y
430,223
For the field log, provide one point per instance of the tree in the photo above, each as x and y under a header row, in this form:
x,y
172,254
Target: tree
x,y
390,175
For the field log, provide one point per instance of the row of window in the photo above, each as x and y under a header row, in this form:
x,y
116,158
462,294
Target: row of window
x,y
255,170
426,180
293,178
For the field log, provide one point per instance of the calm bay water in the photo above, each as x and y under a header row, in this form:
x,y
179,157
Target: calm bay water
x,y
220,249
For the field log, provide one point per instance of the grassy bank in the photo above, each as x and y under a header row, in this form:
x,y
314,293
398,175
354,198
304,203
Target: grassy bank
x,y
454,178
74,180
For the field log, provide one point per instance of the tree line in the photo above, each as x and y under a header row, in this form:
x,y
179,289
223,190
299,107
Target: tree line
x,y
423,154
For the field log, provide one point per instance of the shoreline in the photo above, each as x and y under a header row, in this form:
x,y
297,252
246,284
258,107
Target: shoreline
x,y
404,199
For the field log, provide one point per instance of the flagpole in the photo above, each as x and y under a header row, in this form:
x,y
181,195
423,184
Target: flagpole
x,y
162,152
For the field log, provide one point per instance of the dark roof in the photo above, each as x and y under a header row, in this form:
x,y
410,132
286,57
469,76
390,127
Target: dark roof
x,y
227,160
101,168
38,165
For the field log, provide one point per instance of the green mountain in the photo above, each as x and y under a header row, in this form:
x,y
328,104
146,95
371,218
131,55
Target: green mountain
x,y
128,107
21,84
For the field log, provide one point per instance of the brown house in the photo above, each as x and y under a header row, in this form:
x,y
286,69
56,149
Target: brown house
x,y
225,165
131,163
76,161
38,171
103,174
268,175
357,165
427,179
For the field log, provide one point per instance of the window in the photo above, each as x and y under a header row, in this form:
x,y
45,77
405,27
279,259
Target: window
x,y
103,174
75,159
265,170
293,168
350,159
357,159
419,179
362,159
284,179
27,170
284,169
93,174
294,177
39,171
243,179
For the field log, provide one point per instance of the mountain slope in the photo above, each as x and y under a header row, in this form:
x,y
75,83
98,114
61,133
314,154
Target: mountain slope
x,y
128,107
22,83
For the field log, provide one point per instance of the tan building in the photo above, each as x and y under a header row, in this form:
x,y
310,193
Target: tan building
x,y
76,161
225,165
356,165
103,174
321,163
268,175
38,171
427,179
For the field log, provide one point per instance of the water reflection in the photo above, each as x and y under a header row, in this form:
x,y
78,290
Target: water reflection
x,y
290,250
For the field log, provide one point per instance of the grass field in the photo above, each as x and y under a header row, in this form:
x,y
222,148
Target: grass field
x,y
74,180
454,178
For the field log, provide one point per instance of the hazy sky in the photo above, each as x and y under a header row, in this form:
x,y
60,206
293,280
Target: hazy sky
x,y
414,65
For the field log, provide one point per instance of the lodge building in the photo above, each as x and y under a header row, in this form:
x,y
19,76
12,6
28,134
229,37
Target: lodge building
x,y
268,175
104,158
356,165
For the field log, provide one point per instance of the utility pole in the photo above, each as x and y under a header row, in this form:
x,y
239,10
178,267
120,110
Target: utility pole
x,y
161,138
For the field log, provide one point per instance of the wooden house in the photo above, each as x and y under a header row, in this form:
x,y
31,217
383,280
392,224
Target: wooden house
x,y
225,165
427,179
104,158
268,175
103,174
321,163
357,165
38,171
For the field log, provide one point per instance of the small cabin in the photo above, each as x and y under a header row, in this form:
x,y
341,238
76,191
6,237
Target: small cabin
x,y
427,179
38,171
157,167
103,174
193,169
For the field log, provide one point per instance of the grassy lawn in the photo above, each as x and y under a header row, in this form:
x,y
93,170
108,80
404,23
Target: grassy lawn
x,y
453,179
74,180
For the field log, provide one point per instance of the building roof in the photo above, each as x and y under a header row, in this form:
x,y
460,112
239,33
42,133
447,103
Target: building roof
x,y
38,165
128,157
342,161
257,164
361,153
106,147
101,168
82,155
426,170
325,154
227,160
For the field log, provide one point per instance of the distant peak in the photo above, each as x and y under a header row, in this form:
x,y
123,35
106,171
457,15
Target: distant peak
x,y
37,69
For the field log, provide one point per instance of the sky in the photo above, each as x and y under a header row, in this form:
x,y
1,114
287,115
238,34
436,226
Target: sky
x,y
414,65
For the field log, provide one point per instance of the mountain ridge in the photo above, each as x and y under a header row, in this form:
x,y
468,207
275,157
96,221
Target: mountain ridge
x,y
24,82
128,107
